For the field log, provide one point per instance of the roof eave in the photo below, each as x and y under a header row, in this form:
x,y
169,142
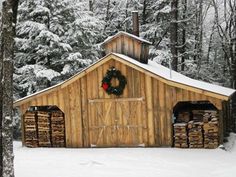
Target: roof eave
x,y
127,34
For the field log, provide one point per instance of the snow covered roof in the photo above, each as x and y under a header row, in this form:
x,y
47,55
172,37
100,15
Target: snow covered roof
x,y
126,34
152,67
174,76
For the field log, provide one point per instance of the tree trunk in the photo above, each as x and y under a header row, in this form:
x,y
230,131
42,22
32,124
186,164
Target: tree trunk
x,y
233,44
144,14
107,15
210,44
198,33
183,49
8,32
174,34
1,62
126,16
91,5
108,10
200,37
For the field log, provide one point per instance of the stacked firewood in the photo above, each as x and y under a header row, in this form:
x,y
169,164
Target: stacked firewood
x,y
44,129
58,129
211,130
202,130
198,115
184,116
209,115
180,135
195,134
31,138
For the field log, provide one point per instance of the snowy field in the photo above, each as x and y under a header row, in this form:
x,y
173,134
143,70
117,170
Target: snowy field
x,y
126,162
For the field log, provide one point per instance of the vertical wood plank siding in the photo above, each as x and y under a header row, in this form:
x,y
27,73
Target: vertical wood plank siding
x,y
128,46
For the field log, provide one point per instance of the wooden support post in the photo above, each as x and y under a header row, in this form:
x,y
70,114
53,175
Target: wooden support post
x,y
221,127
229,117
22,130
151,137
22,111
233,111
84,112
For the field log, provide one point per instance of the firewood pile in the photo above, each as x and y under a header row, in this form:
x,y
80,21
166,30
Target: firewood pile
x,y
180,135
195,134
201,131
211,130
44,129
198,115
58,129
184,116
31,138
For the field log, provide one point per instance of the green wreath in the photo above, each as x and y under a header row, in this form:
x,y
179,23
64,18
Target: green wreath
x,y
106,82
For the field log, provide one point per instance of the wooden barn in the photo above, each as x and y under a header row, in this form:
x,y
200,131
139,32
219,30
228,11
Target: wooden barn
x,y
126,100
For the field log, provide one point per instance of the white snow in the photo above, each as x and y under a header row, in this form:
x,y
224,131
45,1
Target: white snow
x,y
177,77
66,69
30,27
48,73
127,34
74,56
165,10
125,162
48,36
40,71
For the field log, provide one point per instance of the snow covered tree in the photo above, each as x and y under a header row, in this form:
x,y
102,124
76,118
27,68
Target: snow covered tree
x,y
226,29
57,38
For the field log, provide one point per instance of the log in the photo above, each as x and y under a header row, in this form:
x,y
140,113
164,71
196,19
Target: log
x,y
31,137
180,135
58,129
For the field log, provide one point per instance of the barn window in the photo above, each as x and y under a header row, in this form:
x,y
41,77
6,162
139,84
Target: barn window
x,y
44,126
195,125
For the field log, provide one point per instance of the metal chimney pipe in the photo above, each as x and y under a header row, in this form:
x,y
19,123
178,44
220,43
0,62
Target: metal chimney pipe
x,y
135,20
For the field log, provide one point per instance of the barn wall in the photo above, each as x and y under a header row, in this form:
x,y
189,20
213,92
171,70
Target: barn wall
x,y
165,97
128,46
154,112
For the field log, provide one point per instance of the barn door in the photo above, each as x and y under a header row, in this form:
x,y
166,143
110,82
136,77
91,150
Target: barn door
x,y
101,124
115,122
129,123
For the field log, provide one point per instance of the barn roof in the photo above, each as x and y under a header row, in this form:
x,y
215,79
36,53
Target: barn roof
x,y
153,69
179,78
120,33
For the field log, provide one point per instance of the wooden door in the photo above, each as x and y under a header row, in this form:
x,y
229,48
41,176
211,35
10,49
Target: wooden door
x,y
116,122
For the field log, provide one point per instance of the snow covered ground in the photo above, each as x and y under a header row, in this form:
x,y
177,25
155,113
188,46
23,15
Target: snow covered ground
x,y
126,162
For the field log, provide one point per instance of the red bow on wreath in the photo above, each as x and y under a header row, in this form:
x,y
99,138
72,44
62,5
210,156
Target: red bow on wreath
x,y
105,86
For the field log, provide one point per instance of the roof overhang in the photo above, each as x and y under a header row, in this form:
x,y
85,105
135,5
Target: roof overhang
x,y
120,33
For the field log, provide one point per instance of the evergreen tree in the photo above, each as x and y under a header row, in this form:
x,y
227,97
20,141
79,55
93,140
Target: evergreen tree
x,y
53,42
